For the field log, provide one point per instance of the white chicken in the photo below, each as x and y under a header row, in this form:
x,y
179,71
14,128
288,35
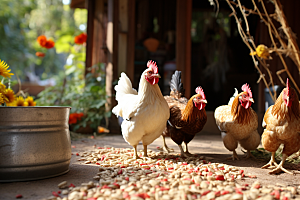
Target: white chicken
x,y
145,112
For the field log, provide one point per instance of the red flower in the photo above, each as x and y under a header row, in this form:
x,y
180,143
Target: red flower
x,y
42,40
40,54
49,44
81,38
72,120
74,117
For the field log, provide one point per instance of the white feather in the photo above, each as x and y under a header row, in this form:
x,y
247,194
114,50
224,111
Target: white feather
x,y
232,98
223,134
264,125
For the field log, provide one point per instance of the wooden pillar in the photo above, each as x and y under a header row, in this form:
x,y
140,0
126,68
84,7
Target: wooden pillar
x,y
122,36
183,42
126,38
110,51
96,31
99,48
131,39
112,60
90,33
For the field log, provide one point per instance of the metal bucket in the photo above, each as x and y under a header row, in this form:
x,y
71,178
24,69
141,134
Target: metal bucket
x,y
34,143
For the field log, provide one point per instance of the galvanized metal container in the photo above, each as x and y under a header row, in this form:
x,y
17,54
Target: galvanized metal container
x,y
34,143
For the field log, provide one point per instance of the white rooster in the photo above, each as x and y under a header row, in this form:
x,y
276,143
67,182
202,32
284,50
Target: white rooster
x,y
145,112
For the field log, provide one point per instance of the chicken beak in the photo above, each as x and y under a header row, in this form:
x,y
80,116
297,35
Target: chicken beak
x,y
251,99
156,75
204,101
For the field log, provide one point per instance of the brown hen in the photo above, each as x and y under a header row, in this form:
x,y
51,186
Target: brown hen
x,y
282,126
187,117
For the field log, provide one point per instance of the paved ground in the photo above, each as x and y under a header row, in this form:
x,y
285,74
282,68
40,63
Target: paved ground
x,y
210,146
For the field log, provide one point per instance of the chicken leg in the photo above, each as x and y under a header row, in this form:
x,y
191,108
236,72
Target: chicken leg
x,y
135,152
187,151
165,147
145,151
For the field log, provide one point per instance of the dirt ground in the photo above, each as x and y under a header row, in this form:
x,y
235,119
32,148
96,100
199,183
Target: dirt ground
x,y
210,146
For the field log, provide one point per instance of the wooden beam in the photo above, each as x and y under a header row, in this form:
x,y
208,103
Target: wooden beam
x,y
183,42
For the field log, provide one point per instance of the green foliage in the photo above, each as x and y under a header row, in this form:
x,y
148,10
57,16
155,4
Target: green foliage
x,y
83,94
21,22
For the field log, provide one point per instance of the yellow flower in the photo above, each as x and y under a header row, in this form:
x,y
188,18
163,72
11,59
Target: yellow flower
x,y
10,96
30,101
262,51
1,99
4,71
21,102
2,88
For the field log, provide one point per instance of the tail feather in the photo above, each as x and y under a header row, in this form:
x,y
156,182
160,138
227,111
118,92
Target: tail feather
x,y
124,87
176,85
232,98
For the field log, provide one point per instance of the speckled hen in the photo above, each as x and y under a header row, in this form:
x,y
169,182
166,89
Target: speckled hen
x,y
238,122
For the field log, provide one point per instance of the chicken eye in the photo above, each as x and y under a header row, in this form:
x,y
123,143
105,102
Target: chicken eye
x,y
244,96
149,72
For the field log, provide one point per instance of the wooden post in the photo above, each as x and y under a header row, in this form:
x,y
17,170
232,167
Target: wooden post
x,y
90,33
99,50
183,42
131,39
112,60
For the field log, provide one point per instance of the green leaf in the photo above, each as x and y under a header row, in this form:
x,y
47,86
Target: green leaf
x,y
70,70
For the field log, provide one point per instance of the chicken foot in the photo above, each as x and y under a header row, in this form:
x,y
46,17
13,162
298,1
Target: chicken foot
x,y
234,156
279,167
184,154
165,147
248,154
271,163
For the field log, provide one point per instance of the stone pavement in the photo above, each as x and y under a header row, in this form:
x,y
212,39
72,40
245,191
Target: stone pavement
x,y
208,145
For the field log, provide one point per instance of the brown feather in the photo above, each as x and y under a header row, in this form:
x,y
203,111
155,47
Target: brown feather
x,y
288,113
239,113
188,113
187,116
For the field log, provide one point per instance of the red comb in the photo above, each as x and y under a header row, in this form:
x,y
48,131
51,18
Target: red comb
x,y
200,91
288,86
151,64
246,88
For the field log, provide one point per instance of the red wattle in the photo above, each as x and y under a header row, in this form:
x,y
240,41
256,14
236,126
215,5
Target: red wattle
x,y
200,106
246,104
152,81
